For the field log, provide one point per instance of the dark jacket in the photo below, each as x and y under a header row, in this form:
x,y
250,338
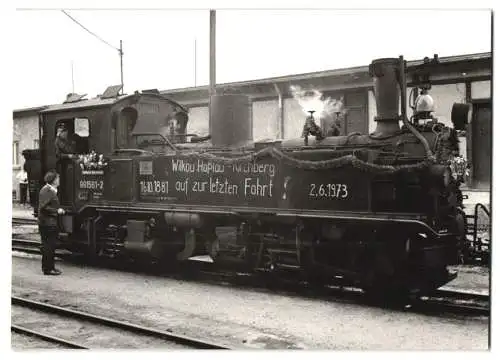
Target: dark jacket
x,y
64,146
48,203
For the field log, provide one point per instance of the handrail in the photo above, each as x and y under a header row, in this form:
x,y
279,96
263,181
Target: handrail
x,y
485,209
133,151
476,213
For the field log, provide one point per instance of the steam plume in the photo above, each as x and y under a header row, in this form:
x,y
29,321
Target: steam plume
x,y
312,100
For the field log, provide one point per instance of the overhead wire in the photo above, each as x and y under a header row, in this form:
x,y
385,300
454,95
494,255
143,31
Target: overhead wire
x,y
90,32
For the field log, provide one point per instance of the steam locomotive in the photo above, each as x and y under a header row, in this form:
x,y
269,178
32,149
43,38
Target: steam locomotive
x,y
382,211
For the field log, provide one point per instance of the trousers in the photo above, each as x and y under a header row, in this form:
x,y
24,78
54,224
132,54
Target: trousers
x,y
49,243
23,189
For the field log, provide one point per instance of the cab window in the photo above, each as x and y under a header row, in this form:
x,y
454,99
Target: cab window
x,y
82,127
72,136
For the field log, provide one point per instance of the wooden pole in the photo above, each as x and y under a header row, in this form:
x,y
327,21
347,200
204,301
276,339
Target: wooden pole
x,y
212,65
195,62
121,65
72,79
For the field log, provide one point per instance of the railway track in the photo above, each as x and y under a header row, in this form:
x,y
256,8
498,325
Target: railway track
x,y
27,246
439,302
462,302
115,333
46,337
24,221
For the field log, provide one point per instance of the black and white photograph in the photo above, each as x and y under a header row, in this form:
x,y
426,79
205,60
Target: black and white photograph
x,y
248,179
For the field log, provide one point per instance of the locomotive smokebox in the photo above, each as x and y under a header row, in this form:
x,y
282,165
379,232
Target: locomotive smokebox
x,y
387,92
231,124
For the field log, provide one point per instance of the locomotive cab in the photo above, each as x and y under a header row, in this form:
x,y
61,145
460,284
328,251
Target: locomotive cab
x,y
78,135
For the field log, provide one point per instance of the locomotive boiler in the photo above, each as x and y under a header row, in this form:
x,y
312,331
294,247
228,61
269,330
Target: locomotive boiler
x,y
380,210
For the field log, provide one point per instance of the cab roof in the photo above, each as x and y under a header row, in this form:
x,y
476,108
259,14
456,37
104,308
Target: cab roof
x,y
103,102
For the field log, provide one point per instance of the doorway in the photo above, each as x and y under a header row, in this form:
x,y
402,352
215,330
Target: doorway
x,y
481,135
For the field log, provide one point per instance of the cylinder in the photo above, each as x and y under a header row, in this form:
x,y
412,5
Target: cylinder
x,y
231,124
182,219
386,88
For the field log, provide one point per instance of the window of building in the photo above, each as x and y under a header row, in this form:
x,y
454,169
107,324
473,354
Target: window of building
x,y
15,153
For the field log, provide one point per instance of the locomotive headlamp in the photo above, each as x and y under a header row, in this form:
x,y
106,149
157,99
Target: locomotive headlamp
x,y
424,102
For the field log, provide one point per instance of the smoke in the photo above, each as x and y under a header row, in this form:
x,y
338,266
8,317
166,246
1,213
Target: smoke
x,y
313,100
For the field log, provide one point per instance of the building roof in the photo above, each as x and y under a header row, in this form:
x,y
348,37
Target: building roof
x,y
35,109
336,72
351,77
348,77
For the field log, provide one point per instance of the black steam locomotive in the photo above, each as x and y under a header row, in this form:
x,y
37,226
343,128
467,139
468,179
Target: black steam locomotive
x,y
379,210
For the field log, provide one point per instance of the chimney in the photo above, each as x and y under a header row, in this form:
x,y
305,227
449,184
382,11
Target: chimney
x,y
385,73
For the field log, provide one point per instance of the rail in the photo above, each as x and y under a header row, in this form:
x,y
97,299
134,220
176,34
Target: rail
x,y
461,302
117,324
24,221
46,337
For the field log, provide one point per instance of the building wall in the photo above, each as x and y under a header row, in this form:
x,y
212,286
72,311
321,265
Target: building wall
x,y
293,119
25,132
355,102
198,121
372,111
265,116
444,96
481,89
265,120
479,135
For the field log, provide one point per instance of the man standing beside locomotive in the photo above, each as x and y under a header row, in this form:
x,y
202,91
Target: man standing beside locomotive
x,y
48,211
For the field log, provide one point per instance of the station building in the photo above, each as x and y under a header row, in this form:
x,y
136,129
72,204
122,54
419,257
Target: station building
x,y
277,115
24,136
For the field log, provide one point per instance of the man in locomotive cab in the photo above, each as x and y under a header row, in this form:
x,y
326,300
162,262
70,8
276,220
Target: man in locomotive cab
x,y
177,127
172,127
64,144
